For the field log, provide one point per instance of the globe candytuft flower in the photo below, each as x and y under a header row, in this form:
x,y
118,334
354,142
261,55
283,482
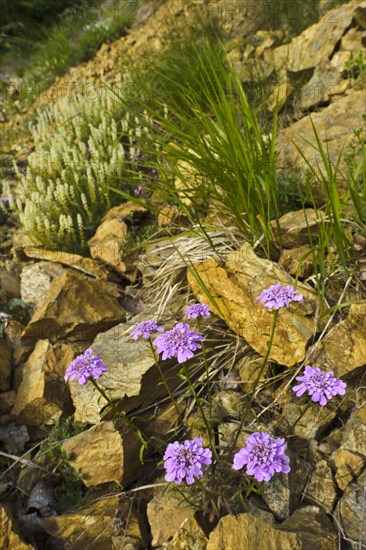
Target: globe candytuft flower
x,y
85,366
145,329
185,460
197,310
277,296
320,385
178,342
263,456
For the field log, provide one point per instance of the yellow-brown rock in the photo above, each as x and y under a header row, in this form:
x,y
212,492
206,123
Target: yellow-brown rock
x,y
189,535
94,526
235,287
5,367
159,509
351,355
297,261
103,454
247,531
295,227
321,488
42,395
76,306
9,539
348,464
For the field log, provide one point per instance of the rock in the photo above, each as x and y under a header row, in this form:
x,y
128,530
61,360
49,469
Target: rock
x,y
353,40
42,395
132,376
35,281
294,227
325,83
9,286
314,422
249,532
283,493
235,288
189,535
93,526
7,400
80,263
5,365
354,433
77,307
321,489
335,132
102,454
14,437
313,528
360,15
351,355
349,465
13,333
9,538
159,509
315,44
351,512
297,261
168,214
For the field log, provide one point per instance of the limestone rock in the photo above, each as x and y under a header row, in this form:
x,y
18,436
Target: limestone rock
x,y
7,400
9,539
5,365
93,526
294,227
321,489
235,288
103,454
297,261
35,281
313,529
9,286
42,395
132,376
189,535
351,355
249,532
315,43
314,422
14,437
334,129
75,306
159,509
349,465
351,510
354,433
325,83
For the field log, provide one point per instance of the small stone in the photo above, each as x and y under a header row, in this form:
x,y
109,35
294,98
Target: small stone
x,y
35,281
14,437
297,261
294,227
189,535
351,511
159,509
313,423
167,215
349,465
320,489
9,286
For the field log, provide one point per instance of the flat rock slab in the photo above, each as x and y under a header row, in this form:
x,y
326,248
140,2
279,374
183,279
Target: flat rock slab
x,y
9,539
235,287
76,306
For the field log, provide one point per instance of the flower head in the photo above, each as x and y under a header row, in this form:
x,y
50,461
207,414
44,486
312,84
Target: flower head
x,y
263,456
277,296
321,386
85,366
197,310
185,460
144,329
178,342
138,190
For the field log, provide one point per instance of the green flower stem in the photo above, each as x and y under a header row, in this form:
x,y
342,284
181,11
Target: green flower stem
x,y
164,380
300,417
256,382
203,415
200,328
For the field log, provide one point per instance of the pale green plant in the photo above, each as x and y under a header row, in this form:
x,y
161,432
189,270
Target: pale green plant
x,y
83,145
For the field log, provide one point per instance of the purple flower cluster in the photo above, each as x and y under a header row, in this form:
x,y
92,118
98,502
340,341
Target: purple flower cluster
x,y
145,329
178,342
85,366
197,310
320,385
185,460
263,456
277,296
138,190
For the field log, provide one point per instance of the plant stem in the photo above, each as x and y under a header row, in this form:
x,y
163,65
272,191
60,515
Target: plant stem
x,y
263,366
300,416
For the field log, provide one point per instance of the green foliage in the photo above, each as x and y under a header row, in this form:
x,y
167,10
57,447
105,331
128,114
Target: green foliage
x,y
65,190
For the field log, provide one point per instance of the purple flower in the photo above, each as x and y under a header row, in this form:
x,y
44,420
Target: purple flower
x,y
138,190
144,329
322,386
276,296
197,310
5,200
263,456
185,460
85,366
178,342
